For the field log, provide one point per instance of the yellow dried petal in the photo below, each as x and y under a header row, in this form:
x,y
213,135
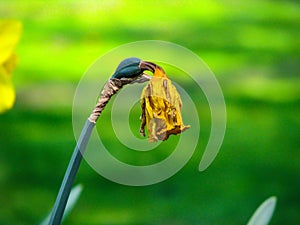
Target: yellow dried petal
x,y
161,108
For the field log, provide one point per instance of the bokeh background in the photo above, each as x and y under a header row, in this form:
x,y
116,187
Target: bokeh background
x,y
253,47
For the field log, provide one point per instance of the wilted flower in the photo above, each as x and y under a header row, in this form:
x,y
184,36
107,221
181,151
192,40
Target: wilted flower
x,y
161,108
10,32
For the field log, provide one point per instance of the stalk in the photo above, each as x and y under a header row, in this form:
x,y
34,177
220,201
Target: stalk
x,y
111,88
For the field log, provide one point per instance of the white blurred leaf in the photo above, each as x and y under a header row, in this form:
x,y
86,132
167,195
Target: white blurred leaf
x,y
263,214
74,195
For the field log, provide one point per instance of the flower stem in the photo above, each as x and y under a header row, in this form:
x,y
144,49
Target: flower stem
x,y
110,88
64,192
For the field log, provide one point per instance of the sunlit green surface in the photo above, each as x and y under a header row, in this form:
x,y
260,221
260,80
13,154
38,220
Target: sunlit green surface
x,y
252,47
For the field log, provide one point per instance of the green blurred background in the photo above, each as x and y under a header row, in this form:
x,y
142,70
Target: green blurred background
x,y
253,47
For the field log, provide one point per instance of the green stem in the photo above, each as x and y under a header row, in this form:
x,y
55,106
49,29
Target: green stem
x,y
64,192
110,88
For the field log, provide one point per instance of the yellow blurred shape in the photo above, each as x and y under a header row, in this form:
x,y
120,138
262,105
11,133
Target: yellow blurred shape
x,y
10,32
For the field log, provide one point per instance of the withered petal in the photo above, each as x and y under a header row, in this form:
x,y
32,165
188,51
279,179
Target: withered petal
x,y
161,109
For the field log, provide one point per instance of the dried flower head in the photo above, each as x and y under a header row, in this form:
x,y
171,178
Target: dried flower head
x,y
161,108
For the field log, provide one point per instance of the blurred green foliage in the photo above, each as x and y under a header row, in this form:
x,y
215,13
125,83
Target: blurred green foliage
x,y
253,47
